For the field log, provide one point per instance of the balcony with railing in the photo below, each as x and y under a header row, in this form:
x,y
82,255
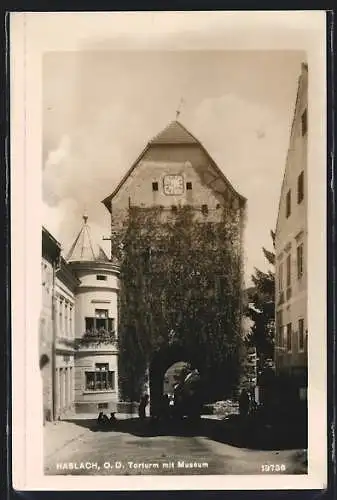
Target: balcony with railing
x,y
97,339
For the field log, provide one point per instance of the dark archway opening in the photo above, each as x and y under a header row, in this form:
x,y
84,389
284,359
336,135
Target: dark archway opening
x,y
175,375
162,360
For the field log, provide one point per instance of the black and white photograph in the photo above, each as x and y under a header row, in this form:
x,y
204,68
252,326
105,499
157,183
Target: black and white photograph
x,y
169,178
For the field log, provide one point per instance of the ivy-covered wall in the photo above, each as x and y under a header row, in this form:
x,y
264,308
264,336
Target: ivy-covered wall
x,y
183,273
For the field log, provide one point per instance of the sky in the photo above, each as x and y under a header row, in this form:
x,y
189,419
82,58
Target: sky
x,y
100,108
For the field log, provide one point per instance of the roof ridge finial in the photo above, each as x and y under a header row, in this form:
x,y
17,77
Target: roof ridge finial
x,y
178,111
85,217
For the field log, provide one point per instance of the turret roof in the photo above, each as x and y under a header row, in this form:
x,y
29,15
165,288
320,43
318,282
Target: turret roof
x,y
84,249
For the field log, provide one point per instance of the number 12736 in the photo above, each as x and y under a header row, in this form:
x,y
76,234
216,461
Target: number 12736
x,y
273,468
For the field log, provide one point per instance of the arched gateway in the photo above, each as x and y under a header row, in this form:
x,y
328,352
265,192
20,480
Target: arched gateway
x,y
177,229
161,360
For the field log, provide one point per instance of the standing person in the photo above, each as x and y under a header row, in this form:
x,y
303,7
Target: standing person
x,y
166,406
144,400
244,403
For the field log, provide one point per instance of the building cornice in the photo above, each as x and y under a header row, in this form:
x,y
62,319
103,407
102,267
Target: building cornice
x,y
99,349
95,288
94,266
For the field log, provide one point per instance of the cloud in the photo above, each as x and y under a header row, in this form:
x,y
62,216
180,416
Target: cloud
x,y
56,156
86,165
84,168
55,218
234,138
229,127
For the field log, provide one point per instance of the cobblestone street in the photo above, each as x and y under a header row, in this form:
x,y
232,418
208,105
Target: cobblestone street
x,y
136,448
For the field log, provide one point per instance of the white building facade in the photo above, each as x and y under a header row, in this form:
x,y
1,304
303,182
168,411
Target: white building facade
x,y
78,328
291,252
65,287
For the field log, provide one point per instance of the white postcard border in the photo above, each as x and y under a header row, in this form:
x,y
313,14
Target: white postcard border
x,y
31,35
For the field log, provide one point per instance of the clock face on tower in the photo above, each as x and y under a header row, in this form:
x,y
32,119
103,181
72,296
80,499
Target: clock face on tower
x,y
173,184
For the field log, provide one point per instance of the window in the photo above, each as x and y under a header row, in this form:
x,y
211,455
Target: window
x,y
304,120
300,187
154,186
101,317
100,321
89,323
66,320
300,261
60,316
288,204
280,277
288,337
301,334
204,209
174,208
102,367
101,277
288,270
71,321
188,186
101,379
279,328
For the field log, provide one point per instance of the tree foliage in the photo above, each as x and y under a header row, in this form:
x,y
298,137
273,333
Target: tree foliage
x,y
182,275
262,309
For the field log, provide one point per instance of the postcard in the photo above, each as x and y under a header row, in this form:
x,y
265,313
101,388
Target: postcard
x,y
168,201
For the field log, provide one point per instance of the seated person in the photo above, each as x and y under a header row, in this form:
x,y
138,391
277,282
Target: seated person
x,y
102,419
113,419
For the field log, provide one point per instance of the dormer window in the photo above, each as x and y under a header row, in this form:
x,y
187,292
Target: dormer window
x,y
300,187
304,120
101,277
188,186
154,186
288,204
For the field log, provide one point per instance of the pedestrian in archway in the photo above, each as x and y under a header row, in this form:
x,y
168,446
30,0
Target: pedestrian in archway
x,y
144,400
166,406
244,403
112,420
